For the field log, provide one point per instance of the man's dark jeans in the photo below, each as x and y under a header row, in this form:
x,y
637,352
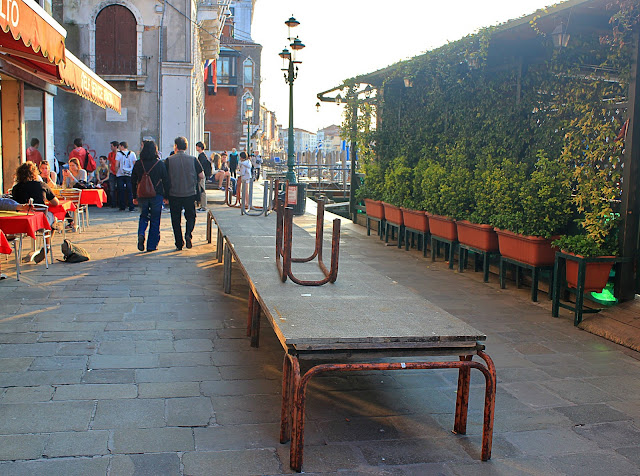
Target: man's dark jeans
x,y
177,204
125,194
113,191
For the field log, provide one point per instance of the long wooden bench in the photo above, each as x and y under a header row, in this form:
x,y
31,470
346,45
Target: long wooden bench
x,y
360,322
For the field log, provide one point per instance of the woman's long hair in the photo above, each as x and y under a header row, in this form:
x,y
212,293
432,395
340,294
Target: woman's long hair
x,y
149,150
26,172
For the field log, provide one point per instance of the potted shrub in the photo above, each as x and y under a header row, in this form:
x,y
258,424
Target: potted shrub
x,y
446,197
398,190
585,247
370,192
476,231
593,152
530,209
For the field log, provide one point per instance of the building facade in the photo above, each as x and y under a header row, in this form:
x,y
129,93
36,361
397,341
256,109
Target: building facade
x,y
329,139
35,68
151,52
267,138
303,141
232,85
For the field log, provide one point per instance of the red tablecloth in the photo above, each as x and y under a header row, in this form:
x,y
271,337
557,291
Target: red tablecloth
x,y
5,248
93,196
60,210
13,223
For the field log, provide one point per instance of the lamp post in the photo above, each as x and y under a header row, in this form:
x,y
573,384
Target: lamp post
x,y
290,75
352,101
247,113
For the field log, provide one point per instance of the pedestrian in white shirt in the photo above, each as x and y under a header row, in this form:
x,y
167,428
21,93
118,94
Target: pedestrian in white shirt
x,y
125,159
245,176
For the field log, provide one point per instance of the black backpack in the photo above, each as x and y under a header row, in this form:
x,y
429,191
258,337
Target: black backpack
x,y
73,253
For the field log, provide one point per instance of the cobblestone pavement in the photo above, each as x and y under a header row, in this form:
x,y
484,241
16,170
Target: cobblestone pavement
x,y
137,363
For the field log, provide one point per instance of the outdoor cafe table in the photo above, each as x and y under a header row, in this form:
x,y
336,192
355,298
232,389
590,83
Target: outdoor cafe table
x,y
92,196
357,323
5,248
15,223
59,211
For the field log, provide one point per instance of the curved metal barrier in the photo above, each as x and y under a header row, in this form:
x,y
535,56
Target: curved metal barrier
x,y
284,235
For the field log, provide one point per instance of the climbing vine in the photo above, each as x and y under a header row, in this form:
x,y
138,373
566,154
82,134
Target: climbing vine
x,y
474,116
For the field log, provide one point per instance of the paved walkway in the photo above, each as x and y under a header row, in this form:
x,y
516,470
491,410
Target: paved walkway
x,y
136,363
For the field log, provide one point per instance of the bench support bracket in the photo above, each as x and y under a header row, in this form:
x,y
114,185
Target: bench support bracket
x,y
294,389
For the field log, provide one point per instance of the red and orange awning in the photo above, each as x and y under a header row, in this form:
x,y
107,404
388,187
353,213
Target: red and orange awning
x,y
28,31
34,42
77,76
72,75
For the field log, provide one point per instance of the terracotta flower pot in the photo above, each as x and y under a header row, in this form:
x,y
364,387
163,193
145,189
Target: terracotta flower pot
x,y
533,250
482,237
444,227
415,219
596,274
374,208
392,214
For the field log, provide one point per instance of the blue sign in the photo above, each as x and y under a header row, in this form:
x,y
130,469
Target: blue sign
x,y
276,160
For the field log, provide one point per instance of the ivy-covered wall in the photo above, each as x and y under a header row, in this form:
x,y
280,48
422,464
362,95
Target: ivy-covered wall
x,y
522,136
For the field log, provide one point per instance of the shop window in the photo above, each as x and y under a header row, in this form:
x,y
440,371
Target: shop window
x,y
116,41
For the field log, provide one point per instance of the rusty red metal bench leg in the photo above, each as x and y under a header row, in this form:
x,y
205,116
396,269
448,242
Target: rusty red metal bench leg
x,y
462,398
294,389
489,405
253,320
290,371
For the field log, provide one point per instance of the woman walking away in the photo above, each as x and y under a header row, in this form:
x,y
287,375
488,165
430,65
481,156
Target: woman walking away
x,y
149,184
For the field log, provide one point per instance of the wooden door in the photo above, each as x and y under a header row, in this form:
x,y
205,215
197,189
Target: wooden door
x,y
116,41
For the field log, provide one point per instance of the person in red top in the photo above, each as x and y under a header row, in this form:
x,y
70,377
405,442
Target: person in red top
x,y
33,154
81,153
113,170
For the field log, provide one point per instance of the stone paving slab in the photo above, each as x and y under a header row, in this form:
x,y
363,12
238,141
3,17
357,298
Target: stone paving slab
x,y
567,401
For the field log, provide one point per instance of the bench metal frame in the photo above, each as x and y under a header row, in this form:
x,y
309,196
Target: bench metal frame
x,y
294,382
294,393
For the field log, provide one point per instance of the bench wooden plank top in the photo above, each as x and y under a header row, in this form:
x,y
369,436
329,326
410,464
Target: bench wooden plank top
x,y
363,310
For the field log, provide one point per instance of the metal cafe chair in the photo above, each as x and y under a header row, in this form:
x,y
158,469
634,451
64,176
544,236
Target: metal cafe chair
x,y
80,215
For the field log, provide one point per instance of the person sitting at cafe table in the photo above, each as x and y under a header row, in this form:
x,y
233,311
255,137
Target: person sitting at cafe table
x,y
29,187
48,177
74,174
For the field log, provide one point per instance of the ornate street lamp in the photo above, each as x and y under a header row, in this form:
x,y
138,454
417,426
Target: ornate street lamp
x,y
290,75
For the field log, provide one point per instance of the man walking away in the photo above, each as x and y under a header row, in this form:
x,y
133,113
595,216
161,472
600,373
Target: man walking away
x,y
206,168
113,171
125,159
184,173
